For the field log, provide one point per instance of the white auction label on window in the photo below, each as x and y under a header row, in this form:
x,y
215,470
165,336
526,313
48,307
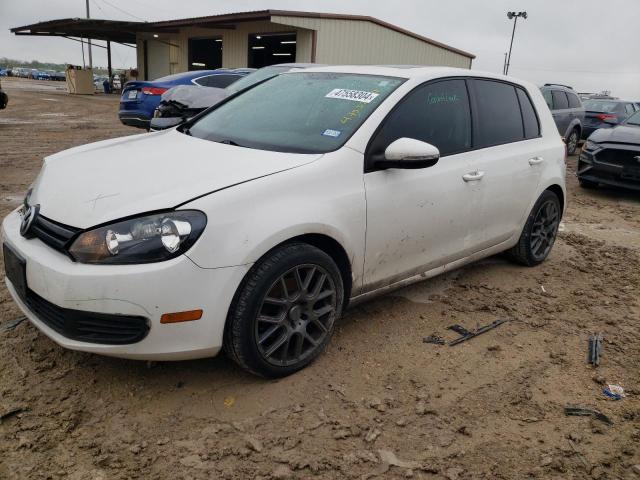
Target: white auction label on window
x,y
353,95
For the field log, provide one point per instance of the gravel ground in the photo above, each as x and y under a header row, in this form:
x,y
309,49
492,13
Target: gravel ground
x,y
379,403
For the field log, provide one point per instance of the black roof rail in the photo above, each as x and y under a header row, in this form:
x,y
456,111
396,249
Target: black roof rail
x,y
557,85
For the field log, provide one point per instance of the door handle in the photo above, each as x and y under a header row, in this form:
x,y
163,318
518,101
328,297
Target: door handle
x,y
536,160
473,176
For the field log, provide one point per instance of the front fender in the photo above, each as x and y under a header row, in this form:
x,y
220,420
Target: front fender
x,y
245,221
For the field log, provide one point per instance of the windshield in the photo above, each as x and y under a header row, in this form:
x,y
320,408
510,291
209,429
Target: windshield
x,y
634,119
600,106
256,77
297,112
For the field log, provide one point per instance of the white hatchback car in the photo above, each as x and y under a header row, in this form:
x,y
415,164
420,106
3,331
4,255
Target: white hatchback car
x,y
252,227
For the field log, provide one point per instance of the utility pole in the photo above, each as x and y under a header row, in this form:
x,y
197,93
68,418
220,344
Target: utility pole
x,y
504,65
510,16
88,39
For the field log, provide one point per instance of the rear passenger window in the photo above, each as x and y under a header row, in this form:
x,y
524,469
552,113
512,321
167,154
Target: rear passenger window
x,y
629,108
437,113
548,98
574,101
499,118
560,101
219,81
529,118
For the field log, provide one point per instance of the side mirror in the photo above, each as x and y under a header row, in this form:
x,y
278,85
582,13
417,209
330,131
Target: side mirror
x,y
163,123
409,153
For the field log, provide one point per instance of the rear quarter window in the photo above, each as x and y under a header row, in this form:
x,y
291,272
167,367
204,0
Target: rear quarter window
x,y
574,101
529,117
499,119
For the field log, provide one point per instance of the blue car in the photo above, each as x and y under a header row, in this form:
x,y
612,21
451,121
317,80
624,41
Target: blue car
x,y
140,98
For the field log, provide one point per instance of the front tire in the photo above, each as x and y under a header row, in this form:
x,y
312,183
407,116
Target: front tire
x,y
284,312
540,231
572,141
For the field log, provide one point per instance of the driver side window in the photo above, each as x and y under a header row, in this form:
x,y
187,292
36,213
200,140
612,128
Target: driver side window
x,y
437,113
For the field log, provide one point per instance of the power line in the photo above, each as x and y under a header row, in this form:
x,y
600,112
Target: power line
x,y
95,2
123,11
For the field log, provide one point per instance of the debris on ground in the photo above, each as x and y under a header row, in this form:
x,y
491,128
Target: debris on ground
x,y
467,334
579,455
11,412
574,410
595,349
12,324
614,391
435,339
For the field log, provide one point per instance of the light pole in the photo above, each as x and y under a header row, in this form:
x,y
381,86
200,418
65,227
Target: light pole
x,y
514,16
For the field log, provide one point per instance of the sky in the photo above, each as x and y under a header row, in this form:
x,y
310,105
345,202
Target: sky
x,y
589,44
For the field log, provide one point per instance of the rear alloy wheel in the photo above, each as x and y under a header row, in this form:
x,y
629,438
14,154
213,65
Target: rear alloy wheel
x,y
572,141
285,311
540,231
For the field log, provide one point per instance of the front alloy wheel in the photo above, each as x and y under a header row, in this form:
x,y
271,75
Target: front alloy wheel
x,y
285,310
296,315
572,142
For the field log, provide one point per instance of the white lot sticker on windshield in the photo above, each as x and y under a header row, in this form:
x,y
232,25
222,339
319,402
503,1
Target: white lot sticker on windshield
x,y
353,95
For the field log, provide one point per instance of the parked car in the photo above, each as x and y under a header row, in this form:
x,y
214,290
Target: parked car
x,y
57,76
4,99
605,114
185,101
140,98
567,111
611,156
42,75
4,72
245,228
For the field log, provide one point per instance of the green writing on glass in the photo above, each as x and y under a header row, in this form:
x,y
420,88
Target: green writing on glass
x,y
436,98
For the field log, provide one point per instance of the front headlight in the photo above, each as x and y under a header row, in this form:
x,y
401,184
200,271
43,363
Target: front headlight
x,y
147,239
589,145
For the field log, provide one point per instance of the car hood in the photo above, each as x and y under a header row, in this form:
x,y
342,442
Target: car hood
x,y
619,134
112,179
192,96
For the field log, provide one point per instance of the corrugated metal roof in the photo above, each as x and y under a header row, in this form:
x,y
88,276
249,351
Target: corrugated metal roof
x,y
230,18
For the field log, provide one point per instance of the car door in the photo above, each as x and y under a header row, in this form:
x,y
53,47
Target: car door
x,y
419,219
509,157
561,111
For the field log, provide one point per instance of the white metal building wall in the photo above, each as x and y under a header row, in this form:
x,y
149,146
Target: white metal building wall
x,y
337,42
362,42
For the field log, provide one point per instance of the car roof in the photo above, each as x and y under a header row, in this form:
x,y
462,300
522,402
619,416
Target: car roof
x,y
198,74
608,100
418,72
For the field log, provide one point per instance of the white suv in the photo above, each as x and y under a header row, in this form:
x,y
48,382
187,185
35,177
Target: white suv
x,y
252,226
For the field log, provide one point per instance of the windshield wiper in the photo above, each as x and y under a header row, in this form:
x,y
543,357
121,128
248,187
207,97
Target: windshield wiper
x,y
229,142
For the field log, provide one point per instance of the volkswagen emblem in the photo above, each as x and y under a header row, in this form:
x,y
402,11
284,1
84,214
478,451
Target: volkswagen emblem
x,y
29,216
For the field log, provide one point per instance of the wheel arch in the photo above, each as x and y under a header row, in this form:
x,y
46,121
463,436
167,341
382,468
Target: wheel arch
x,y
557,189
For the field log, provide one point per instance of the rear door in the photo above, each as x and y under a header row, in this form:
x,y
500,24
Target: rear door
x,y
561,111
418,219
506,136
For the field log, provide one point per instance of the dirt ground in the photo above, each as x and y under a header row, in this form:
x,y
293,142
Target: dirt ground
x,y
379,403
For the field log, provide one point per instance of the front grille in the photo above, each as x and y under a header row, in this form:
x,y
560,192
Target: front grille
x,y
88,327
54,234
619,158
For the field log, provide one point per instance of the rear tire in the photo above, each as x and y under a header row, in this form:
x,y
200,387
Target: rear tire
x,y
284,312
572,141
539,232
